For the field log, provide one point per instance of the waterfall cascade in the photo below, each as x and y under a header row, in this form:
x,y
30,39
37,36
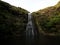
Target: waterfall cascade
x,y
29,30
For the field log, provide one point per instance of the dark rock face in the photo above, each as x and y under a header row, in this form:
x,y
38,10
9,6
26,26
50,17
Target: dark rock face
x,y
47,22
13,22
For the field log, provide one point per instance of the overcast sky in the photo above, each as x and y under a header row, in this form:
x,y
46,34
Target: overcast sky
x,y
32,5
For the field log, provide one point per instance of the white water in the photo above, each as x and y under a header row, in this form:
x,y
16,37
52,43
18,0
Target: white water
x,y
29,30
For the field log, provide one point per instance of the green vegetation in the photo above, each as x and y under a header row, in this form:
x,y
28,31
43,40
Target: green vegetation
x,y
47,20
13,21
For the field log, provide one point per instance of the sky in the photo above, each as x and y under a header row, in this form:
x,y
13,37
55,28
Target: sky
x,y
32,5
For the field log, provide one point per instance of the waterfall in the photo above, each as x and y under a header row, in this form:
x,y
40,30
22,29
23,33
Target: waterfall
x,y
29,30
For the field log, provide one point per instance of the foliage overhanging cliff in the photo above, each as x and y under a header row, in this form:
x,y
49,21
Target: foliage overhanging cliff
x,y
13,20
48,19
